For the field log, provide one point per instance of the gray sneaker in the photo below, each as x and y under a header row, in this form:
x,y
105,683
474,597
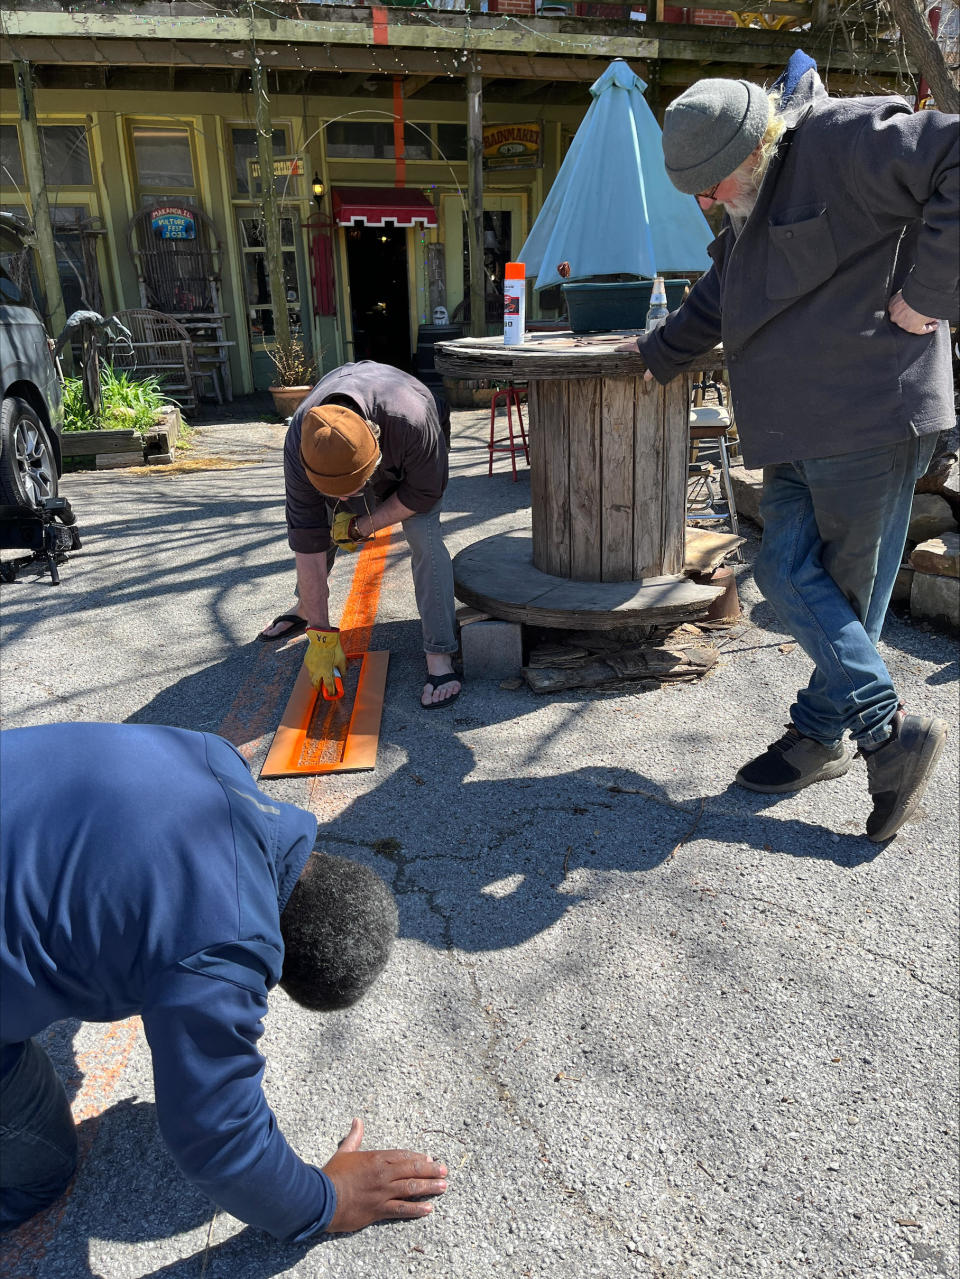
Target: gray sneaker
x,y
793,762
898,771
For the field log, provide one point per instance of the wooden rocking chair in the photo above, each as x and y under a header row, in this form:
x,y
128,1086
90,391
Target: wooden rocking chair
x,y
161,347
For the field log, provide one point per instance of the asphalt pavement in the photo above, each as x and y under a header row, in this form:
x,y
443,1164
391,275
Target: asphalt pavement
x,y
655,1025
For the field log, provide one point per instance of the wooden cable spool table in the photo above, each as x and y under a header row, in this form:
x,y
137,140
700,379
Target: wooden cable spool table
x,y
608,476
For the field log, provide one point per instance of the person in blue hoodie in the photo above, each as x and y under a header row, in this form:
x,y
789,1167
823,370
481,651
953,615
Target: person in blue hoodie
x,y
143,872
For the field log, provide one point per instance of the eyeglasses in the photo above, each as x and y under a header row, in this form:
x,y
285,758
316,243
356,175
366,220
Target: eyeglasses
x,y
711,194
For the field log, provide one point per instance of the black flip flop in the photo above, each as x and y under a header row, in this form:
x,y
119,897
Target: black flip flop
x,y
438,681
297,626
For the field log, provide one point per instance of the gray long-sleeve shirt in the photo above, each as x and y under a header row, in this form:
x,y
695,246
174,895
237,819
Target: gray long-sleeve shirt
x,y
862,199
413,464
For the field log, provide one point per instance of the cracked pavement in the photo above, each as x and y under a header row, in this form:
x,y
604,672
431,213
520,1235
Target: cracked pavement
x,y
655,1025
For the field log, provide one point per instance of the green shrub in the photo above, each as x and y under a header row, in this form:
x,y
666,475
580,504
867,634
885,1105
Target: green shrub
x,y
126,403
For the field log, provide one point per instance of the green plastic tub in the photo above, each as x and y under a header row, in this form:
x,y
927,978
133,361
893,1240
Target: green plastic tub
x,y
615,305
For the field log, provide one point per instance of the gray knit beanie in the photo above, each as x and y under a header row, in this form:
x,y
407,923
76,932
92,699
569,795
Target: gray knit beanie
x,y
710,130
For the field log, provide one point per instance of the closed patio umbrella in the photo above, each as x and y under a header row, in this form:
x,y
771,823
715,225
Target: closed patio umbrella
x,y
612,209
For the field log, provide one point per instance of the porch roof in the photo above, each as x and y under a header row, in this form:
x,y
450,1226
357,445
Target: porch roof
x,y
376,205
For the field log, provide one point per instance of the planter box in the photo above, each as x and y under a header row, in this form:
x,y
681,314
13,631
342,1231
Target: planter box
x,y
615,305
94,443
126,447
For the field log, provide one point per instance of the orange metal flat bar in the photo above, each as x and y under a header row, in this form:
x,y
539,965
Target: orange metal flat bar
x,y
289,755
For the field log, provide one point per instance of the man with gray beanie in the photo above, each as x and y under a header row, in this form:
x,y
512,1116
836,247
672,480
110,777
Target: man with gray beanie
x,y
833,283
364,451
143,872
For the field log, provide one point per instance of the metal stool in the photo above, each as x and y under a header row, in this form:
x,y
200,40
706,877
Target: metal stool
x,y
709,424
507,443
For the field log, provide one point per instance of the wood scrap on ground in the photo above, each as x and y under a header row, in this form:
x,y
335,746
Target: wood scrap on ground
x,y
562,660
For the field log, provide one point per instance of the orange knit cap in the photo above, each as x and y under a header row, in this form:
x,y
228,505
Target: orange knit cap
x,y
338,449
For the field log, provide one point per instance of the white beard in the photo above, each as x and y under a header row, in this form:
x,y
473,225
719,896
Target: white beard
x,y
741,205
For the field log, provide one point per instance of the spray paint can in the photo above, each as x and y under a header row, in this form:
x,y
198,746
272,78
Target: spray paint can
x,y
514,303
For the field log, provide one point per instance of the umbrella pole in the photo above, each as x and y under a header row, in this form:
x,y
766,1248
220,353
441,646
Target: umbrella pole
x,y
478,306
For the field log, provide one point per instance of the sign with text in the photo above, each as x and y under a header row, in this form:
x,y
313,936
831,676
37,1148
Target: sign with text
x,y
288,166
511,146
174,222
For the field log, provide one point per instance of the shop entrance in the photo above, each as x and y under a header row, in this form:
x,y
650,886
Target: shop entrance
x,y
379,301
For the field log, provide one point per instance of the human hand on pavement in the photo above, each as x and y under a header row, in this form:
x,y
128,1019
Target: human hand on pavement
x,y
380,1185
905,317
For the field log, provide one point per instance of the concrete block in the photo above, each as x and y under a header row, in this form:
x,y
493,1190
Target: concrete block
x,y
931,516
492,649
747,487
936,599
940,555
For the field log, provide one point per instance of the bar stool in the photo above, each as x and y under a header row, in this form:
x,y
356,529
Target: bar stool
x,y
709,424
510,395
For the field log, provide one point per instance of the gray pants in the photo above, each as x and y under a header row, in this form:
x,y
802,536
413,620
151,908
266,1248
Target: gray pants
x,y
432,575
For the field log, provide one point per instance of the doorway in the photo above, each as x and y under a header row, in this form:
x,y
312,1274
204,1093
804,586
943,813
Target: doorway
x,y
379,297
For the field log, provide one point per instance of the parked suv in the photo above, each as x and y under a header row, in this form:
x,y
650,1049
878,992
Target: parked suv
x,y
31,414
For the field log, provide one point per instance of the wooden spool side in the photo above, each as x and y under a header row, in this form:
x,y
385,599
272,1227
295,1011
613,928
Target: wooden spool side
x,y
608,468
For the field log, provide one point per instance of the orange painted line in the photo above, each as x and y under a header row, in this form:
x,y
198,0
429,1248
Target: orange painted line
x,y
313,733
381,34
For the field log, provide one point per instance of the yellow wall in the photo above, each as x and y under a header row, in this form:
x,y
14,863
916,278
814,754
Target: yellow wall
x,y
209,117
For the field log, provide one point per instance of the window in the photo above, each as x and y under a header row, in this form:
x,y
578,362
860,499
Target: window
x,y
244,142
163,157
373,140
11,166
253,242
497,231
451,142
66,158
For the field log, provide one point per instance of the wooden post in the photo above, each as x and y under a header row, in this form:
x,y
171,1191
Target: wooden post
x,y
40,205
268,196
478,305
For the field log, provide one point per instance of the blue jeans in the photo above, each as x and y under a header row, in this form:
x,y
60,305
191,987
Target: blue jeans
x,y
38,1141
834,530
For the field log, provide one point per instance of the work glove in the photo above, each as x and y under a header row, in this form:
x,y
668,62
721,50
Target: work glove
x,y
326,661
340,533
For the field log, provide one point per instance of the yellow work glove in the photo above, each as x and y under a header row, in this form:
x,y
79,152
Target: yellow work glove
x,y
326,661
340,533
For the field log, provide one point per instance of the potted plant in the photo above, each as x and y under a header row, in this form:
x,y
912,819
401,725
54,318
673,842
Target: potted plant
x,y
296,376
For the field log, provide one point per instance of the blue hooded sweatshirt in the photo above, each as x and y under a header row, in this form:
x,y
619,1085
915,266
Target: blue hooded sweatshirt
x,y
142,871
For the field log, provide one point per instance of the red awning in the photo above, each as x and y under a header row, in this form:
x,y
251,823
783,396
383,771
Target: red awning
x,y
373,206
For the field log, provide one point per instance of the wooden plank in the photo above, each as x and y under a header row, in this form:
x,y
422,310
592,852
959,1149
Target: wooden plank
x,y
552,530
586,504
363,736
86,443
617,427
676,414
113,461
292,753
536,437
648,481
549,356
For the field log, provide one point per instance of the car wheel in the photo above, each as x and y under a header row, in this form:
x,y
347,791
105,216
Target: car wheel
x,y
28,468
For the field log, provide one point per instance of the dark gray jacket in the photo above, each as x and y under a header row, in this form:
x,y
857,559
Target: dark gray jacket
x,y
413,463
862,199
